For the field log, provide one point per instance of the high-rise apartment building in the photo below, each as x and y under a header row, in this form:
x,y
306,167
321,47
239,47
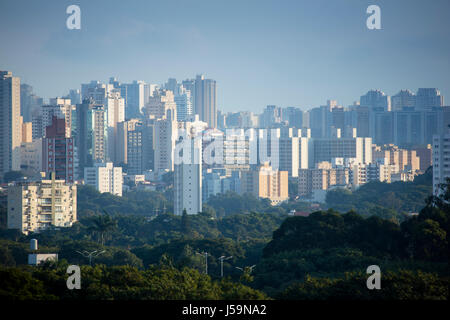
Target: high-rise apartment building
x,y
29,102
42,118
91,133
31,157
135,146
441,160
115,113
58,152
343,147
138,94
183,102
403,99
425,156
205,100
10,122
429,98
188,179
37,206
376,100
105,178
97,91
161,102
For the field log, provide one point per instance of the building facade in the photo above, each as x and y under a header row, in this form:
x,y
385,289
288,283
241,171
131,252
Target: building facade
x,y
37,206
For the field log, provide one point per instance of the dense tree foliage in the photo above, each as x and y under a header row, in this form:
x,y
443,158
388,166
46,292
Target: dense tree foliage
x,y
327,244
386,200
119,283
148,254
144,203
403,285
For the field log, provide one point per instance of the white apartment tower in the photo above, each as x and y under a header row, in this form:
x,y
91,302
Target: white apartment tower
x,y
441,160
115,108
105,178
165,131
188,181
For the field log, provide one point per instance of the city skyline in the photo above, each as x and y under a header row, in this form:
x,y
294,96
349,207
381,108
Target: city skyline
x,y
333,56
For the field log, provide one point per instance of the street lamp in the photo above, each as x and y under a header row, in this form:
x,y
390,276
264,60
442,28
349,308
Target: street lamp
x,y
206,260
89,255
250,268
222,258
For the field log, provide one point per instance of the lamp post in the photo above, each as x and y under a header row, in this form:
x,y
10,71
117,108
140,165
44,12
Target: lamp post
x,y
89,255
206,260
222,258
250,268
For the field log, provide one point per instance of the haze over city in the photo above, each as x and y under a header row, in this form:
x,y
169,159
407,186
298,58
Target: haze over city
x,y
286,53
205,150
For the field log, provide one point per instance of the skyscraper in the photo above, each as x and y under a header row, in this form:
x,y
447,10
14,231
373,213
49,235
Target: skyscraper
x,y
160,103
188,181
90,134
376,100
183,100
137,96
115,113
42,118
205,100
135,146
441,160
96,90
10,122
58,151
405,98
429,98
28,101
165,136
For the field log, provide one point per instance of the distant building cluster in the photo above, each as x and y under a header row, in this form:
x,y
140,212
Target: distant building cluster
x,y
120,136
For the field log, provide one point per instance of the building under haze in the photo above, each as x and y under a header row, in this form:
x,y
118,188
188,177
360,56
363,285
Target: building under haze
x,y
10,123
188,180
90,136
205,100
58,152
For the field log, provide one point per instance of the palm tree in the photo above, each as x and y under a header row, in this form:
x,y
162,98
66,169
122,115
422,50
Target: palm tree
x,y
102,225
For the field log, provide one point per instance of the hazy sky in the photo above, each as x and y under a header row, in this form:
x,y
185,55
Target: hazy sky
x,y
287,53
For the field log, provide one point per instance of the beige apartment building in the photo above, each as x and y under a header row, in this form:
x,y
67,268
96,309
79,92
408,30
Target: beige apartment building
x,y
36,206
402,159
321,178
266,183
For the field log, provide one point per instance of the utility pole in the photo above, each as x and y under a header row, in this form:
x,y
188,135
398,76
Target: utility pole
x,y
222,258
206,260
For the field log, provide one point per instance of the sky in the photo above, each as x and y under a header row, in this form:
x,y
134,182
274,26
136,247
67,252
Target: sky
x,y
284,53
